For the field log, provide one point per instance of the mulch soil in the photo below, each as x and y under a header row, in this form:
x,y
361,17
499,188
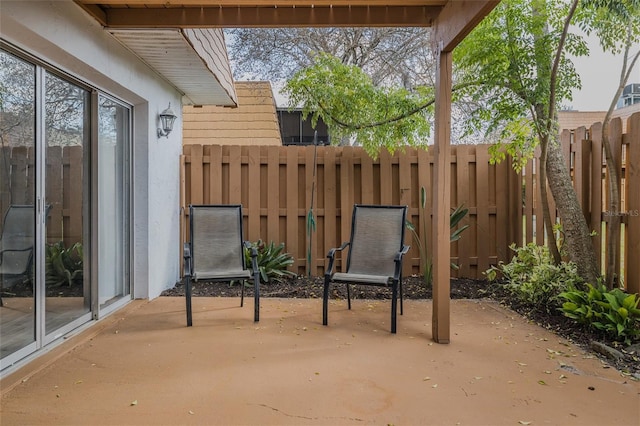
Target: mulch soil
x,y
625,359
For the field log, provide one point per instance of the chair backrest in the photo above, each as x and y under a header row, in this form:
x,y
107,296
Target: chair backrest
x,y
17,240
377,234
216,238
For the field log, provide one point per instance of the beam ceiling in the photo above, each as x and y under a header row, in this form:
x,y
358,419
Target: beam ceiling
x,y
246,13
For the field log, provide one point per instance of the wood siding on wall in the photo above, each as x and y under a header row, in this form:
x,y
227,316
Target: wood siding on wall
x,y
253,122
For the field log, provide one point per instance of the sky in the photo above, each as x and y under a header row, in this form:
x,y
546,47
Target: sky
x,y
600,74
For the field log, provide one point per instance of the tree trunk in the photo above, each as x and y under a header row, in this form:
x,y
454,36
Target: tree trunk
x,y
577,235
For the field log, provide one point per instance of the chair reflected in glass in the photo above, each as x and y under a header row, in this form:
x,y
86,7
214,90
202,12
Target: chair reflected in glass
x,y
16,246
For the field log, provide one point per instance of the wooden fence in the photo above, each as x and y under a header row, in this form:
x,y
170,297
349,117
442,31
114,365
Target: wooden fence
x,y
275,185
63,192
583,153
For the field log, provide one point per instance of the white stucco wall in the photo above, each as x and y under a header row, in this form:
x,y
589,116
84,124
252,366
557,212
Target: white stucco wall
x,y
62,35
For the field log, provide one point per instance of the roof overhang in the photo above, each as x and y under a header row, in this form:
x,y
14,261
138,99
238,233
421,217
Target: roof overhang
x,y
194,61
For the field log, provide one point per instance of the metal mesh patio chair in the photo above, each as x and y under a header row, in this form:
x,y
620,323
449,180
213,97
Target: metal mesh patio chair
x,y
376,249
16,245
216,251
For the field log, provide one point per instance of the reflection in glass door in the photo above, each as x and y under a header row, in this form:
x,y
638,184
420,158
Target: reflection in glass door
x,y
113,201
17,207
67,133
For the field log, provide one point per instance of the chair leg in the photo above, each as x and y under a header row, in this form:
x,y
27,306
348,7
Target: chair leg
x,y
325,300
394,306
187,293
242,283
256,297
349,296
401,298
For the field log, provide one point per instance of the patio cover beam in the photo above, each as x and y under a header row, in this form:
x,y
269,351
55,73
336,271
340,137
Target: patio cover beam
x,y
230,17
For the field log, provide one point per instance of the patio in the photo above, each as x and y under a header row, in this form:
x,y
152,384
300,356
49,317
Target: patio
x,y
142,365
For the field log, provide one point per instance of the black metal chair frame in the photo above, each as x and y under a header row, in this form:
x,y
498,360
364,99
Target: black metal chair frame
x,y
191,269
365,278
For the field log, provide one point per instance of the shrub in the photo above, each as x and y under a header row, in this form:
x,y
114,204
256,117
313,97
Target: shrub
x,y
63,265
271,261
534,279
613,312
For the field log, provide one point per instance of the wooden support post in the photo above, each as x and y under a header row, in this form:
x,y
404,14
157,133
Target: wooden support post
x,y
442,194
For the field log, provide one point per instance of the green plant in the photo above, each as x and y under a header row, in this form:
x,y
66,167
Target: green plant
x,y
421,239
613,312
534,279
63,265
271,261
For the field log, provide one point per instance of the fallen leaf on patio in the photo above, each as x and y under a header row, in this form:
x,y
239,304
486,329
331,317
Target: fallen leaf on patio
x,y
435,386
79,382
478,377
522,422
562,376
134,402
521,363
542,382
191,412
547,372
426,378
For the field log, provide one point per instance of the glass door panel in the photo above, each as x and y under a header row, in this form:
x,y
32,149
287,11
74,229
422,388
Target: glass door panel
x,y
67,132
113,201
17,207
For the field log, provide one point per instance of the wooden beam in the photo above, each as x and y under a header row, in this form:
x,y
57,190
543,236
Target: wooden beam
x,y
442,200
230,17
457,19
94,11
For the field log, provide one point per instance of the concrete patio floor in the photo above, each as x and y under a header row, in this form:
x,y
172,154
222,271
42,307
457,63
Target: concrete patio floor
x,y
143,366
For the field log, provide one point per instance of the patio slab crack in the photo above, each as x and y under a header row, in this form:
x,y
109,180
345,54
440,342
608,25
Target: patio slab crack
x,y
306,417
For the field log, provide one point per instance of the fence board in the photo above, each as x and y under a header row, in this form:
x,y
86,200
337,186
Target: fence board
x,y
632,264
596,189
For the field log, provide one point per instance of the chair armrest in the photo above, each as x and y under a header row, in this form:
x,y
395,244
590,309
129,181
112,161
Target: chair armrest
x,y
332,255
186,253
398,261
253,251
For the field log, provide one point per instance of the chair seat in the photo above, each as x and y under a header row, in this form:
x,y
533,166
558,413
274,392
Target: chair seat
x,y
362,278
238,274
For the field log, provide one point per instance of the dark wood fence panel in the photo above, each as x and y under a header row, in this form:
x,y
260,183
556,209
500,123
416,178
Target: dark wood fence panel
x,y
276,184
583,152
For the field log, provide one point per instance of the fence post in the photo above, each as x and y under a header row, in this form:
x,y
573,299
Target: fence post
x,y
633,205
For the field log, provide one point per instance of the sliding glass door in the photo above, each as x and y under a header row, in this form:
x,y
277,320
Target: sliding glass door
x,y
64,205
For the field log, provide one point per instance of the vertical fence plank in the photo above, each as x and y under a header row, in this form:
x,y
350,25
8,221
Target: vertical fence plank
x,y
55,196
197,188
215,174
291,205
255,186
595,222
385,159
582,168
235,175
330,210
273,197
633,205
463,182
528,201
73,224
404,184
502,219
482,170
615,140
366,173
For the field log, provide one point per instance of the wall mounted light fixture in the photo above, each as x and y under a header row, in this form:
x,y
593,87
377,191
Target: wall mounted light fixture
x,y
167,118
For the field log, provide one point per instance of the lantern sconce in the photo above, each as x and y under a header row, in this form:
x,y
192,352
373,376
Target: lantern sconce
x,y
167,118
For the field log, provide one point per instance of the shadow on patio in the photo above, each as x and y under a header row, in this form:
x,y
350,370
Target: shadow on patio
x,y
142,365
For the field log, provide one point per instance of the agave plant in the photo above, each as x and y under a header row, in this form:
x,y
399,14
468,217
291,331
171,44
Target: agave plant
x,y
272,262
64,265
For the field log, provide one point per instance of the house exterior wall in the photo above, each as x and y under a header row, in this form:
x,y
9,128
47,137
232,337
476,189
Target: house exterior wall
x,y
62,35
253,122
